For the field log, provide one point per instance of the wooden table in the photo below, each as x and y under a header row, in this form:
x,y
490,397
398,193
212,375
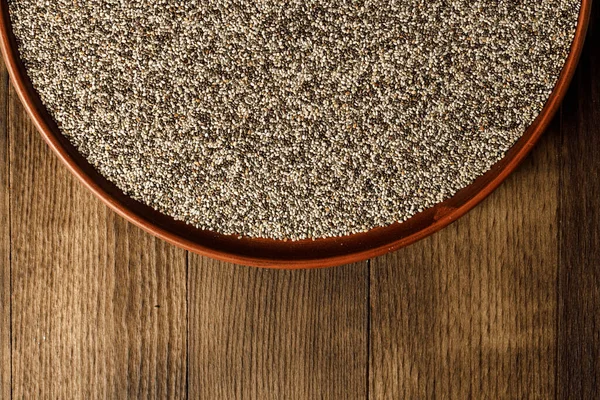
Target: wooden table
x,y
504,303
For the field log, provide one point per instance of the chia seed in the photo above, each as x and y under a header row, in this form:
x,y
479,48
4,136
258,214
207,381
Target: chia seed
x,y
293,119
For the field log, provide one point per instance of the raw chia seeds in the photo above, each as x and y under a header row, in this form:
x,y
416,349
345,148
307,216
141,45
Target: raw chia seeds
x,y
293,119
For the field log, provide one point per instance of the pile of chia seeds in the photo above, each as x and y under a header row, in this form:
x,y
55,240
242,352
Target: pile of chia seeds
x,y
293,119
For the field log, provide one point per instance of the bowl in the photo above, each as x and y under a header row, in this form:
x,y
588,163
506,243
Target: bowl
x,y
278,253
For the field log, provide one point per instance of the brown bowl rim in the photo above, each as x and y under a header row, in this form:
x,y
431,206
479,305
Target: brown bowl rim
x,y
280,254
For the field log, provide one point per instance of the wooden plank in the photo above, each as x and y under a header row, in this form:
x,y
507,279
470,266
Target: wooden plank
x,y
471,311
5,350
579,272
265,334
99,307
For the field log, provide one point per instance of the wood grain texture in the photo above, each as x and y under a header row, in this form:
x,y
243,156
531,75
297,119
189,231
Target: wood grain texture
x,y
470,311
264,334
5,348
579,273
99,307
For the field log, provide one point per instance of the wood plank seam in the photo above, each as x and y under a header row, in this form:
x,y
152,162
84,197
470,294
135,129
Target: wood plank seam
x,y
9,115
5,121
367,367
187,323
